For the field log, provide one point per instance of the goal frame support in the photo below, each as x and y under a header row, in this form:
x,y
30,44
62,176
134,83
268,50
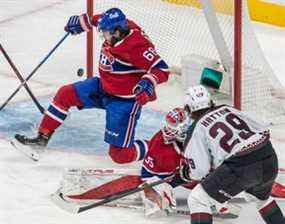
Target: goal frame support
x,y
237,54
89,41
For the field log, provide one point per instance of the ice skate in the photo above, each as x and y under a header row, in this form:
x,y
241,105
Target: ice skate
x,y
29,146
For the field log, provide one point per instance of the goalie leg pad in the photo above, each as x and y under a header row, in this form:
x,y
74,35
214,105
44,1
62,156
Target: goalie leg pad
x,y
113,187
87,184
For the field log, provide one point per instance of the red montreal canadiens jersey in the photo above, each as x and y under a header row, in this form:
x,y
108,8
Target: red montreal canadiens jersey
x,y
121,66
161,159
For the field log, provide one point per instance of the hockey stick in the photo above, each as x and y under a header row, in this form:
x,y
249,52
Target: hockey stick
x,y
34,71
69,207
184,213
20,77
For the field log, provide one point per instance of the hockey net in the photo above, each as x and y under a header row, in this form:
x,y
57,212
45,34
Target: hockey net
x,y
194,34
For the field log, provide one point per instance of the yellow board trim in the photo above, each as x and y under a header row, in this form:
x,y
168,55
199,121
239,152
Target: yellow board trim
x,y
267,12
260,11
222,6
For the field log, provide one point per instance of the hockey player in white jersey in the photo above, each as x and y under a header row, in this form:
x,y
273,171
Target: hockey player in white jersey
x,y
229,152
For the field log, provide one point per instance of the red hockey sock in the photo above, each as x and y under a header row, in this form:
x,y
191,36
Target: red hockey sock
x,y
126,155
123,155
55,115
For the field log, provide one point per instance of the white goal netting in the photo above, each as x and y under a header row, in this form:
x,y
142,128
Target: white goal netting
x,y
198,33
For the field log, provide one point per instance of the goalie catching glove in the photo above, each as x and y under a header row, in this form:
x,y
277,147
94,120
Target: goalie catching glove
x,y
78,24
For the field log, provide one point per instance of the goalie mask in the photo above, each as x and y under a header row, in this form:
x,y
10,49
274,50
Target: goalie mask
x,y
176,125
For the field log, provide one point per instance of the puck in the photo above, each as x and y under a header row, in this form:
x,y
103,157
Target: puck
x,y
80,72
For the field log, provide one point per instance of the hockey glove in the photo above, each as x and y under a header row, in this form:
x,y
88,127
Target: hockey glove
x,y
144,91
184,173
78,24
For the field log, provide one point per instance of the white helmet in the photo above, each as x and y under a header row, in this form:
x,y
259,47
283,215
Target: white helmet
x,y
176,125
197,98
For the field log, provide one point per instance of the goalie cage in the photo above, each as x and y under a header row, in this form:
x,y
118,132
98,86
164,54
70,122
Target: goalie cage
x,y
193,34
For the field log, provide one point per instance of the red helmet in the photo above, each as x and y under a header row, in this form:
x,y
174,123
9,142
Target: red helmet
x,y
176,125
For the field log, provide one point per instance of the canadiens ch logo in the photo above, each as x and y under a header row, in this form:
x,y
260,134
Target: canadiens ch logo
x,y
106,61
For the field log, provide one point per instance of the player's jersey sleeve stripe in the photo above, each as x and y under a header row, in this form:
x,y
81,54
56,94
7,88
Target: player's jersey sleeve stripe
x,y
129,72
146,173
120,67
160,71
160,64
123,62
126,96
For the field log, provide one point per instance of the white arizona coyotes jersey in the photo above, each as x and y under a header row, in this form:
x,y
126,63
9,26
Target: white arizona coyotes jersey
x,y
219,134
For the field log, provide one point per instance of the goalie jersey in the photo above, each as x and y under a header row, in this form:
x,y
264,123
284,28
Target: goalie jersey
x,y
219,134
161,159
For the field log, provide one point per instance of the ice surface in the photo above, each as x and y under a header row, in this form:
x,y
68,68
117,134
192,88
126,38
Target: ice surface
x,y
28,30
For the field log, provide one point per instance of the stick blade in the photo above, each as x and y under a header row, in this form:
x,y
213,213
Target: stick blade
x,y
58,199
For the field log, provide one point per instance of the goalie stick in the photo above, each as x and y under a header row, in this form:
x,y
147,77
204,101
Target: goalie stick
x,y
183,213
90,196
72,208
58,199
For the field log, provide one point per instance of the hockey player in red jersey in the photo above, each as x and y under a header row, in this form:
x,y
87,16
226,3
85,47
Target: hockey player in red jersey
x,y
129,70
228,152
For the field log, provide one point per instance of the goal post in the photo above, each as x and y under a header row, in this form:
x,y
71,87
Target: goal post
x,y
237,53
89,41
214,34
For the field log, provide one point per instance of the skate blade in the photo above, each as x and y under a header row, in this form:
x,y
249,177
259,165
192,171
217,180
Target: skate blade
x,y
25,150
